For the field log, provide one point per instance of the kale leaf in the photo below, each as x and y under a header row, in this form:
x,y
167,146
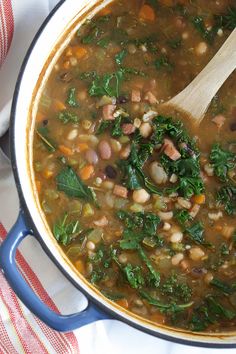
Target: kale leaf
x,y
226,196
119,57
68,117
222,161
163,63
175,289
223,286
227,20
71,99
134,276
196,233
43,134
71,184
64,231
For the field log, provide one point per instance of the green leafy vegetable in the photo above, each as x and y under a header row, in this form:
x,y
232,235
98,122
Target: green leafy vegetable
x,y
71,184
208,35
64,230
114,126
176,290
104,42
68,117
222,161
196,233
112,295
183,217
163,63
94,30
71,99
174,43
134,276
43,134
147,222
227,20
226,196
121,56
223,286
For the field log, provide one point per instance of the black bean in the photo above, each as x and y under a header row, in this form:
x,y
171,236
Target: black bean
x,y
122,99
45,122
233,127
110,172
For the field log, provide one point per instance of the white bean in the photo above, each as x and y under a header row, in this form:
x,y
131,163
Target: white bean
x,y
196,253
177,258
157,172
201,48
72,134
176,237
165,216
140,196
184,203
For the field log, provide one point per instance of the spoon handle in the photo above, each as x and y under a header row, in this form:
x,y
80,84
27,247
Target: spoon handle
x,y
196,97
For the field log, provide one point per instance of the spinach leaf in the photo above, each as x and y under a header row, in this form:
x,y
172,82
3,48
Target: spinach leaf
x,y
43,133
222,161
163,63
64,230
223,286
71,99
226,196
68,117
71,184
196,233
121,56
164,307
134,276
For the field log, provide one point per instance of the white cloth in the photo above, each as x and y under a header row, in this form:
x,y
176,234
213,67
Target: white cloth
x,y
104,337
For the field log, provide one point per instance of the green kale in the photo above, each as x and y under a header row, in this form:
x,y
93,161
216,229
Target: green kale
x,y
71,99
227,20
224,287
209,312
114,126
104,42
208,35
146,222
68,117
222,161
103,126
224,249
120,57
183,217
163,63
174,43
196,233
93,30
167,308
64,231
226,196
71,184
43,134
112,296
176,290
134,276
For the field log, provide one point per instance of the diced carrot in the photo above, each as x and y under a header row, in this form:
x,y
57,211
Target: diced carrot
x,y
147,13
47,174
80,52
58,105
123,303
219,120
69,52
120,191
86,172
170,150
105,11
38,185
40,117
65,150
199,199
80,266
82,147
66,64
218,227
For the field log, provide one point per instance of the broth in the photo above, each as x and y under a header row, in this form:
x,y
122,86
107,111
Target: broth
x,y
142,203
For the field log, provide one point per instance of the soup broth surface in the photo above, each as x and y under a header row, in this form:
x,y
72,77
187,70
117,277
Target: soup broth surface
x,y
143,203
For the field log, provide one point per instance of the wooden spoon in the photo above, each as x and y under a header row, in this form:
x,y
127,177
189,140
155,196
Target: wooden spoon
x,y
195,99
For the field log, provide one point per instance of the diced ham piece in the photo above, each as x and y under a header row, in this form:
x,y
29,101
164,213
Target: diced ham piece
x,y
150,98
219,120
136,96
108,111
120,191
101,222
170,150
128,128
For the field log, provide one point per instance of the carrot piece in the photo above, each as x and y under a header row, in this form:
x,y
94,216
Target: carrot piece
x,y
86,172
59,106
105,11
82,147
40,117
38,185
147,13
47,174
79,265
80,52
199,199
123,303
65,150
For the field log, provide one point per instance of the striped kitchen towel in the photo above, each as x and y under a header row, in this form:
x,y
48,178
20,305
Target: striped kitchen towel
x,y
6,27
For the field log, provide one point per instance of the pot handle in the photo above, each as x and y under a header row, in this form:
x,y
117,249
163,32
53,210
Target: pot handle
x,y
61,323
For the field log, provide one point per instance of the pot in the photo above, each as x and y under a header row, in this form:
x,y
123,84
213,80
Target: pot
x,y
44,51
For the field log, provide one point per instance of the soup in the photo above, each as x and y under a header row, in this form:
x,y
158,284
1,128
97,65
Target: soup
x,y
142,203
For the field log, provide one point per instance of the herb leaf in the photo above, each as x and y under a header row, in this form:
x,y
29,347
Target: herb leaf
x,y
43,133
71,184
64,230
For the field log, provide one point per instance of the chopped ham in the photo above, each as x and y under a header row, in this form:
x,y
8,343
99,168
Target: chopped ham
x,y
101,222
136,96
120,191
108,111
219,120
150,98
128,128
170,150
